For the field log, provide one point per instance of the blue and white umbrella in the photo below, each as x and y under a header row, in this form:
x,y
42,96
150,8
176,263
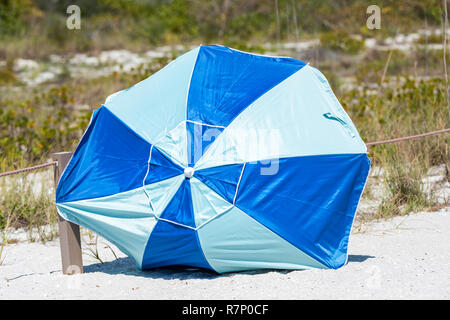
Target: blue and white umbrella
x,y
222,160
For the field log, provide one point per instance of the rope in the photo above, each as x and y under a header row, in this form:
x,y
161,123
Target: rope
x,y
54,163
407,138
40,166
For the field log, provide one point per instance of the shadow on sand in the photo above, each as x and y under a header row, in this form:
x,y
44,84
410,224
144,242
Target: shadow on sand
x,y
127,266
358,258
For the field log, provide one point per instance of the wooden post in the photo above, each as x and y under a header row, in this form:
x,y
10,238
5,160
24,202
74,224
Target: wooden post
x,y
69,233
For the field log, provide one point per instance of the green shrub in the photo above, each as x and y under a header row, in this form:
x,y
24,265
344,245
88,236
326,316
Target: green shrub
x,y
341,42
404,188
21,207
7,76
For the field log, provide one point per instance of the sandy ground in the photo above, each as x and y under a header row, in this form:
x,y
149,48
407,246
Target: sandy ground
x,y
402,258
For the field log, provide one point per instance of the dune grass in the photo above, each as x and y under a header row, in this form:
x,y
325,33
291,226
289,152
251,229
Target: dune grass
x,y
28,205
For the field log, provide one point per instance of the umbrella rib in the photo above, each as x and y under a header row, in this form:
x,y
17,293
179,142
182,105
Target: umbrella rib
x,y
205,124
143,181
150,200
239,182
180,224
230,207
214,217
148,170
176,223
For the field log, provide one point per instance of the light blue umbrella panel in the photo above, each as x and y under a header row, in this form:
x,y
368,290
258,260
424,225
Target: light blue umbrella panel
x,y
222,160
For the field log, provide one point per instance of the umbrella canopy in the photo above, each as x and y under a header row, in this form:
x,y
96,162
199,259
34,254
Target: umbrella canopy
x,y
222,160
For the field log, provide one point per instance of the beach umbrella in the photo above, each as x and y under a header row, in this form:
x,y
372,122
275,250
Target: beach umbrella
x,y
223,160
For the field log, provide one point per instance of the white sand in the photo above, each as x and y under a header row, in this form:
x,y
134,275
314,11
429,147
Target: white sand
x,y
405,257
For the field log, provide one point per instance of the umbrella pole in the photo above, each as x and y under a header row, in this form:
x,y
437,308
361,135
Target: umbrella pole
x,y
69,233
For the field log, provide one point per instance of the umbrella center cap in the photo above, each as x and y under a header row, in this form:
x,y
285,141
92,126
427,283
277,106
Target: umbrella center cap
x,y
189,172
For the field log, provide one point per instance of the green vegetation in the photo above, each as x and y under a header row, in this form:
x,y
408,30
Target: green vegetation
x,y
7,74
405,190
39,123
21,207
341,42
404,109
416,106
36,28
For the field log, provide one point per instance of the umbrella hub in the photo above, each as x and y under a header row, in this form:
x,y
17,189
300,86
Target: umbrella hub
x,y
189,172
